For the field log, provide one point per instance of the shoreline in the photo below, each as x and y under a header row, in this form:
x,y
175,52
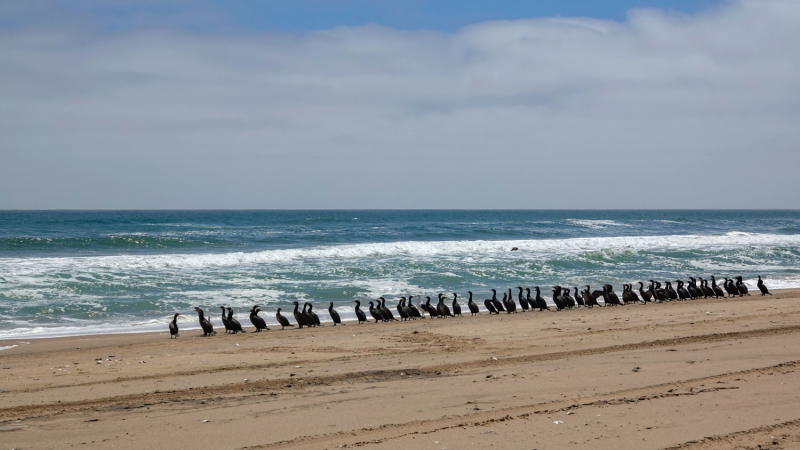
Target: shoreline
x,y
640,377
193,325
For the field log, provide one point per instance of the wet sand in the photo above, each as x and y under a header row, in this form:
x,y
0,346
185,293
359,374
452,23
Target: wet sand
x,y
703,374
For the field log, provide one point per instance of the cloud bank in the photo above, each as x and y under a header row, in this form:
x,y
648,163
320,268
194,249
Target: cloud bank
x,y
662,110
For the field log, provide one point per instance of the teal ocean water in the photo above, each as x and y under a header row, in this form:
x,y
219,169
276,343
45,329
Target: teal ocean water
x,y
72,273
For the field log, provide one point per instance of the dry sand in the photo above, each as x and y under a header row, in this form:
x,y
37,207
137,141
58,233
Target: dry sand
x,y
705,374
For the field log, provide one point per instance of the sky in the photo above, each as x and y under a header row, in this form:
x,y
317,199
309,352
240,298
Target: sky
x,y
312,104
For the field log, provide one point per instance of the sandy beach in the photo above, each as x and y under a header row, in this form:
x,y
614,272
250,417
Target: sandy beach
x,y
704,374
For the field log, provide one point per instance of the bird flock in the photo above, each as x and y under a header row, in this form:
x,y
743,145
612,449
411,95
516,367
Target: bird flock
x,y
562,298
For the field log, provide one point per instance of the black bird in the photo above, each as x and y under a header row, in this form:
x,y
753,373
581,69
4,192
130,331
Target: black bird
x,y
173,327
590,298
541,303
670,291
730,288
406,308
741,286
208,329
300,317
425,306
490,306
683,294
717,290
612,295
334,315
578,298
375,313
385,312
707,291
442,308
234,324
225,322
692,288
473,308
359,313
634,296
567,298
456,306
523,302
283,321
763,287
257,321
557,299
660,294
531,301
309,318
646,296
511,307
313,314
401,310
414,311
497,305
431,310
626,295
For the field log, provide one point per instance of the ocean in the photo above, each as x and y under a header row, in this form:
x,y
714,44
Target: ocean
x,y
87,272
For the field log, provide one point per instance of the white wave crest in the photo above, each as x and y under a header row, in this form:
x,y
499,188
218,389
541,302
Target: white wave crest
x,y
534,249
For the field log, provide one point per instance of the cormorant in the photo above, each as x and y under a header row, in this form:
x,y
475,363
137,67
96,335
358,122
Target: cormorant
x,y
401,310
208,329
523,302
626,296
578,298
670,291
646,296
442,308
590,298
717,290
683,294
660,294
309,319
431,310
385,312
531,301
375,313
511,307
490,306
299,316
359,313
741,286
473,308
541,303
730,288
407,309
763,287
634,297
334,315
456,306
313,314
612,296
225,322
557,299
707,291
283,321
257,321
234,324
173,327
497,305
567,298
414,311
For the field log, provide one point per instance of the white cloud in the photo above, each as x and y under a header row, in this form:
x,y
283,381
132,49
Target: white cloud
x,y
662,110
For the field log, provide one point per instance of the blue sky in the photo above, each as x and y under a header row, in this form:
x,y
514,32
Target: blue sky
x,y
307,15
137,104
